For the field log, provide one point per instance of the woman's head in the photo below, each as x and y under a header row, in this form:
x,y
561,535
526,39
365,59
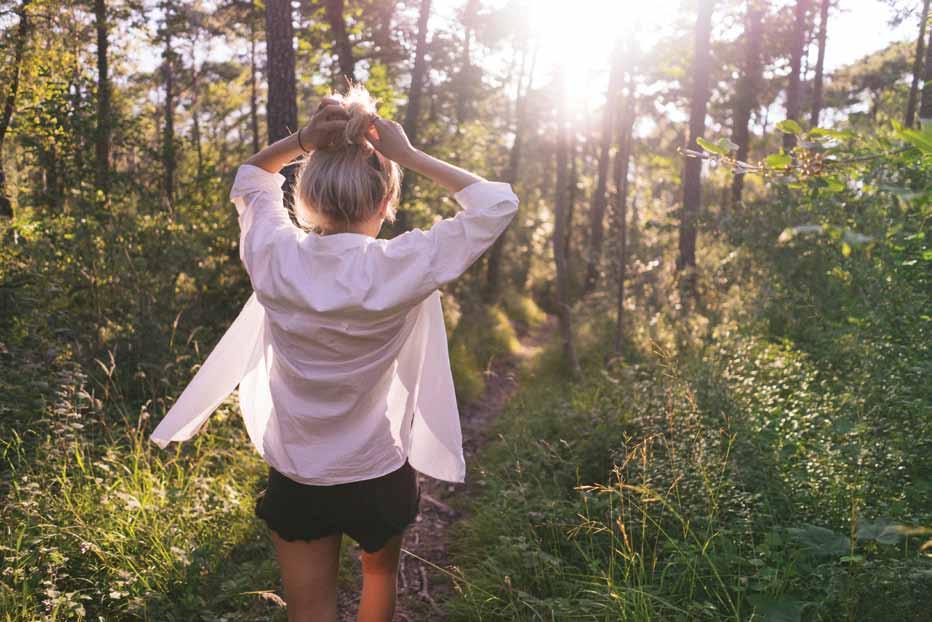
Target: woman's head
x,y
349,182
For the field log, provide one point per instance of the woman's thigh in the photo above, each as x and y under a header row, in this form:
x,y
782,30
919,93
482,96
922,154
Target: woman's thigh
x,y
309,574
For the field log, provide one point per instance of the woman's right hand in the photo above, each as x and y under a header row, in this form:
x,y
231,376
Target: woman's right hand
x,y
389,138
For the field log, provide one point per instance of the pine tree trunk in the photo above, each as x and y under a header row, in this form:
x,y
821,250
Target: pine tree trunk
x,y
9,104
599,198
794,86
561,199
282,107
692,169
413,109
103,133
746,96
168,124
925,104
571,197
341,40
817,83
620,207
910,119
253,89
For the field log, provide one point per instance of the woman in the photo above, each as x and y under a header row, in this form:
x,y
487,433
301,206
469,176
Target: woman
x,y
340,354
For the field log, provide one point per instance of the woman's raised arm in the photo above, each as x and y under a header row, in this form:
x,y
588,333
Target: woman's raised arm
x,y
390,139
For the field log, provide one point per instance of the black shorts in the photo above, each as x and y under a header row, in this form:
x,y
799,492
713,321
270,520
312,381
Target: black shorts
x,y
370,511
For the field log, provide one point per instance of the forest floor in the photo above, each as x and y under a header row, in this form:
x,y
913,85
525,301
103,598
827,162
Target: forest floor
x,y
422,586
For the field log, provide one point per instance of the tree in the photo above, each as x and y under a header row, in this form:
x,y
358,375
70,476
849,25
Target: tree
x,y
282,107
910,119
599,198
413,109
817,83
746,90
341,40
561,199
169,56
794,84
493,267
9,104
620,206
925,104
103,133
692,169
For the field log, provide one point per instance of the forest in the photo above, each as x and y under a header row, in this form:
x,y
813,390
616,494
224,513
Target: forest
x,y
694,373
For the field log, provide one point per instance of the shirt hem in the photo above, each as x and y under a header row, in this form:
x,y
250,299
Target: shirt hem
x,y
333,481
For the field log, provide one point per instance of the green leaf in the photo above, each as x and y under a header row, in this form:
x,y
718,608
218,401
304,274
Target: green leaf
x,y
711,147
790,126
727,144
778,160
827,133
920,140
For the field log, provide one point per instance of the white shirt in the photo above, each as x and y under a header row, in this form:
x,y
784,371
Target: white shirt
x,y
341,353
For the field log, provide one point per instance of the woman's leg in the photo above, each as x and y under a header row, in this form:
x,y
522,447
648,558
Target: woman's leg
x,y
379,582
309,574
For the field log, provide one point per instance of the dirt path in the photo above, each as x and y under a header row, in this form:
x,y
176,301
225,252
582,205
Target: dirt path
x,y
421,587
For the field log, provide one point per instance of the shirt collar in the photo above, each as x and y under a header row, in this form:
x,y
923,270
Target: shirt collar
x,y
346,239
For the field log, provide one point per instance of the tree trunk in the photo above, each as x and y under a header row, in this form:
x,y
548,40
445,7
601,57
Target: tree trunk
x,y
599,199
168,126
282,108
253,89
692,169
102,138
910,119
413,109
341,40
746,96
620,207
466,72
817,86
493,268
9,105
925,104
571,197
561,198
794,86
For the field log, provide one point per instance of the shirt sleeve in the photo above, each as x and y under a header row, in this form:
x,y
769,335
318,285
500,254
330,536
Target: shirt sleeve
x,y
417,262
259,200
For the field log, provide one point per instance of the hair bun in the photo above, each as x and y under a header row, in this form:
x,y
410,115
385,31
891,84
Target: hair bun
x,y
361,106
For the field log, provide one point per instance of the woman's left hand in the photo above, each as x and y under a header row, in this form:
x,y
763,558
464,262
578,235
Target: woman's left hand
x,y
326,125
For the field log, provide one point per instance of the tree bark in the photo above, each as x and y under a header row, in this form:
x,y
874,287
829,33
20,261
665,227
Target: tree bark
x,y
925,104
561,199
168,125
282,107
413,109
102,139
599,198
794,86
573,186
341,40
910,119
692,169
9,104
620,207
746,96
253,88
817,83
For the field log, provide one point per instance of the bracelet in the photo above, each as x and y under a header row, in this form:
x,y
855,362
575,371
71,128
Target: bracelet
x,y
300,146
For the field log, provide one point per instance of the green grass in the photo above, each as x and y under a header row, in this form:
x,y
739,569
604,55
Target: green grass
x,y
717,485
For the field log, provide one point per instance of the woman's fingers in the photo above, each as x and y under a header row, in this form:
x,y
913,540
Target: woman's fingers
x,y
329,126
327,101
333,111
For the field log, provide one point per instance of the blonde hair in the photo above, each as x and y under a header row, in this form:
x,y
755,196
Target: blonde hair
x,y
349,181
